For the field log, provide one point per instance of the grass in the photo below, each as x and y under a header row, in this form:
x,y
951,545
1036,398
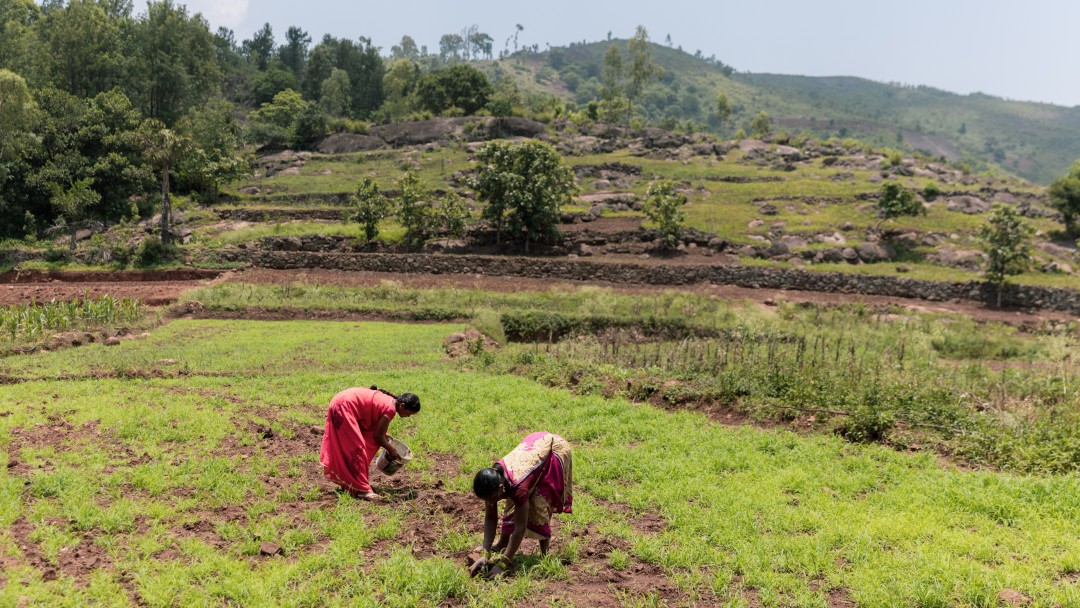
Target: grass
x,y
27,323
793,518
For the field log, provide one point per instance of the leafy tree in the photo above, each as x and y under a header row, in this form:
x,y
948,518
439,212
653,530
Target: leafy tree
x,y
17,38
664,207
723,109
294,52
642,69
274,123
1006,239
215,155
399,84
450,48
164,148
85,48
761,125
452,215
371,207
175,61
73,202
16,113
361,62
459,86
613,103
525,187
896,201
271,82
414,209
260,48
1065,197
311,126
406,49
335,98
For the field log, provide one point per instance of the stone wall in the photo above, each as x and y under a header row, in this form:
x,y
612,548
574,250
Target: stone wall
x,y
659,274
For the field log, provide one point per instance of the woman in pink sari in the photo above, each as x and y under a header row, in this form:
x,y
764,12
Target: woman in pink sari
x,y
536,481
356,425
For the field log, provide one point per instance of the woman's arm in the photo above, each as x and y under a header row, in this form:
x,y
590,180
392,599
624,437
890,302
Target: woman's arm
x,y
380,437
521,521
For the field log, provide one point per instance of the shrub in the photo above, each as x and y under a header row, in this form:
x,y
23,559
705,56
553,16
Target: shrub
x,y
152,251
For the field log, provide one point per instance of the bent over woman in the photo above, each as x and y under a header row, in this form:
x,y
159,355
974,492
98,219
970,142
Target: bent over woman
x,y
356,425
536,481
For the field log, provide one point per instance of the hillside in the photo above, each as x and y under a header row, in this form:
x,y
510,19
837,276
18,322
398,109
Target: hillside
x,y
1032,140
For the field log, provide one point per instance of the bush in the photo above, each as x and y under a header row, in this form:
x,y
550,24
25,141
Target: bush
x,y
152,252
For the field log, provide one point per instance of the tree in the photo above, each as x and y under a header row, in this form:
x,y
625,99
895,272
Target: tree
x,y
295,51
72,203
17,37
361,62
613,104
274,123
664,207
1065,197
399,84
761,125
459,86
451,47
371,207
414,209
85,50
175,61
16,113
723,109
896,201
164,148
406,49
1005,239
215,155
525,187
261,47
641,69
335,94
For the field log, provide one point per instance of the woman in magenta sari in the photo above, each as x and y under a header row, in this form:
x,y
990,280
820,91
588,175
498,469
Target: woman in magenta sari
x,y
535,480
356,426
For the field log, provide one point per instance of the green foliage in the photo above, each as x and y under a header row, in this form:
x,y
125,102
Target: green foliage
x,y
525,187
1006,239
664,208
414,211
761,125
452,214
1064,195
896,201
275,123
34,322
459,86
931,191
152,251
371,207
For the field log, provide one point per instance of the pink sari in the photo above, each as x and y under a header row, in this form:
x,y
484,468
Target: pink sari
x,y
540,472
349,439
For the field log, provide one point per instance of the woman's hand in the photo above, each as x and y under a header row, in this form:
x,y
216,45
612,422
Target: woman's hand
x,y
495,571
479,566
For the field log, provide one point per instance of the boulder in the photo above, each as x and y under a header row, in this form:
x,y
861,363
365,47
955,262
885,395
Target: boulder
x,y
344,143
849,255
768,209
967,204
967,259
875,252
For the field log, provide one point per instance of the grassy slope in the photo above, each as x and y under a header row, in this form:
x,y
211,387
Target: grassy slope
x,y
791,518
1035,140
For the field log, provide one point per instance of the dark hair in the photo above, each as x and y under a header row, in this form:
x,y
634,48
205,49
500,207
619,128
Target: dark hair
x,y
408,401
487,481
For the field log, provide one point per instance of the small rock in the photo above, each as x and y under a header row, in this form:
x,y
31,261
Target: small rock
x,y
112,341
903,268
269,549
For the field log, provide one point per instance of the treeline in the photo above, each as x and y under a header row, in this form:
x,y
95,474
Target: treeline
x,y
100,106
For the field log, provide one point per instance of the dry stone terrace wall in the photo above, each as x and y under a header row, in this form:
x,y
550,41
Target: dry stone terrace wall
x,y
658,274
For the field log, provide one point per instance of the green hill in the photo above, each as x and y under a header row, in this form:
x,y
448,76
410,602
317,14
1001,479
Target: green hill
x,y
1036,141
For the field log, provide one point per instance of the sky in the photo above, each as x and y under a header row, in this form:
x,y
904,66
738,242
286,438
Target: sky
x,y
1025,50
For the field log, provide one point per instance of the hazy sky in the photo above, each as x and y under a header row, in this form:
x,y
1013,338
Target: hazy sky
x,y
1018,49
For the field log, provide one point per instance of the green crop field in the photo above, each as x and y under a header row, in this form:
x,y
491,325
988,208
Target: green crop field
x,y
152,472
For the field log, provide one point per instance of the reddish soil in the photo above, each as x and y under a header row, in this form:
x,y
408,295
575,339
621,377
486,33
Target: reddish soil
x,y
155,288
